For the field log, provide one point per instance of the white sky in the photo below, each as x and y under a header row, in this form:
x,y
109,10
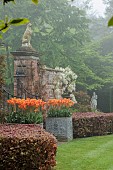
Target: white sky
x,y
98,7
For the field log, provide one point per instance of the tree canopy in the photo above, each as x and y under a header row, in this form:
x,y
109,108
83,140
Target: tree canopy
x,y
61,35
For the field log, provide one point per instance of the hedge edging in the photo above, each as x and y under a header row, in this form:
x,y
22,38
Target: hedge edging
x,y
26,147
92,124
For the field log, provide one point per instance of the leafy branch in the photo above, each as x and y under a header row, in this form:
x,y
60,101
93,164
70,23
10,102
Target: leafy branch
x,y
6,23
6,1
110,22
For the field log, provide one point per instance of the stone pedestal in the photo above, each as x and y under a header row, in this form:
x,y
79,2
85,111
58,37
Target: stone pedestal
x,y
26,74
60,127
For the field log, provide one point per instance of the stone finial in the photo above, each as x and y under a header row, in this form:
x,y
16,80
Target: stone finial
x,y
27,36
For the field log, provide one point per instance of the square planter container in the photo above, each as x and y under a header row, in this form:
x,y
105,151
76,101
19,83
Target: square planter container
x,y
60,127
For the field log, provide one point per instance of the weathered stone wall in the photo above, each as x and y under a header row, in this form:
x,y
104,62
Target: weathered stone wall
x,y
26,76
32,78
47,82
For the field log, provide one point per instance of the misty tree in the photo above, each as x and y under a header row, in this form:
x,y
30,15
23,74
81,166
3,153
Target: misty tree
x,y
60,32
61,35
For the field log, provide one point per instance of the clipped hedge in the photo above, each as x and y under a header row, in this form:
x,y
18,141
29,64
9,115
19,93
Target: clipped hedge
x,y
25,147
92,124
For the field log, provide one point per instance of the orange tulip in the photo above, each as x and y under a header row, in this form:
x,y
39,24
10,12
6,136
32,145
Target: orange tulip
x,y
37,105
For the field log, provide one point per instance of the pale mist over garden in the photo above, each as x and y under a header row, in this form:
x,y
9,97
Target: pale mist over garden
x,y
96,6
68,33
56,84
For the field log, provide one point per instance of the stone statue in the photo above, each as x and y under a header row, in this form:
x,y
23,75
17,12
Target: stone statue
x,y
72,97
27,36
94,101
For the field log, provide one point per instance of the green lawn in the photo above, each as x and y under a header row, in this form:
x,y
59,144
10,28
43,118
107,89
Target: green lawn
x,y
94,153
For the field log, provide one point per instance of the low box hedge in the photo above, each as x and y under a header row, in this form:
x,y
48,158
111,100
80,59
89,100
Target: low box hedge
x,y
92,124
25,147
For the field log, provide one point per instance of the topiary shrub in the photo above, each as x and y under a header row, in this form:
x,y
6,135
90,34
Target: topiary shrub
x,y
26,147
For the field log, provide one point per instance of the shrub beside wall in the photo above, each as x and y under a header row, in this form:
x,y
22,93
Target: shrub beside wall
x,y
92,124
2,66
83,102
26,147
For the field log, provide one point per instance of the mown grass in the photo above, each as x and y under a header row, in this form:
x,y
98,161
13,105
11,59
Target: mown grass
x,y
94,153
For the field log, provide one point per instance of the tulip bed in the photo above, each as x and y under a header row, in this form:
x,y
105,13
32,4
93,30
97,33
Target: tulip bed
x,y
26,147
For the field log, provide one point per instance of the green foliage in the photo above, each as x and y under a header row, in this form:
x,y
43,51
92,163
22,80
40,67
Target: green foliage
x,y
24,118
5,24
2,68
99,65
7,66
63,112
6,1
109,8
26,147
83,102
19,21
35,1
61,34
110,22
61,31
99,55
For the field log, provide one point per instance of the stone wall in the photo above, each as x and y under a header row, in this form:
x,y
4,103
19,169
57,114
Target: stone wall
x,y
26,76
32,79
47,82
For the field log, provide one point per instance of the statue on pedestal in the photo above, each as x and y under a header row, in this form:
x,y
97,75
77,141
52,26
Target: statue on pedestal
x,y
94,102
27,36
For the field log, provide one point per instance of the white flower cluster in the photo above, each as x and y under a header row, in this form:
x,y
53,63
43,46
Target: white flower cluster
x,y
68,78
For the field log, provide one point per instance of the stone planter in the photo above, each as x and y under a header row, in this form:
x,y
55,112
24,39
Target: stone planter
x,y
60,127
